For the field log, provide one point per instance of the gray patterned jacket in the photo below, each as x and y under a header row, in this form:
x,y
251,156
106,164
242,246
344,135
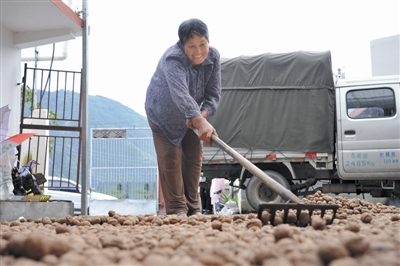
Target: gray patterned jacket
x,y
177,91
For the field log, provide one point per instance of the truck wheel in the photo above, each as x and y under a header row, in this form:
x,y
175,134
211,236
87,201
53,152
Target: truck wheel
x,y
257,192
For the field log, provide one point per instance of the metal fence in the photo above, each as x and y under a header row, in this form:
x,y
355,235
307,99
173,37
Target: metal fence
x,y
123,163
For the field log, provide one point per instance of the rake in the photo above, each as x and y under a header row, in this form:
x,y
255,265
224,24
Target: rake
x,y
295,206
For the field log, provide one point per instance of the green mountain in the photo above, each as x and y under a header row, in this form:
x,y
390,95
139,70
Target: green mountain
x,y
107,113
103,112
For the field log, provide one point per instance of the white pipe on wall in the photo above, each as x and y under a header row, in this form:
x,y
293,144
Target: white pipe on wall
x,y
61,57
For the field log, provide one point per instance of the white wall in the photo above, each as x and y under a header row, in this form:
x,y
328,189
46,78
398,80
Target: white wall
x,y
385,56
10,75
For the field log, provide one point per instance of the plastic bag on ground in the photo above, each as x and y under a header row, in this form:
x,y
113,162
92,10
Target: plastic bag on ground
x,y
230,208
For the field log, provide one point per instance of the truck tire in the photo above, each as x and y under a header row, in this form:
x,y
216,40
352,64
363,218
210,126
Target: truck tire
x,y
257,192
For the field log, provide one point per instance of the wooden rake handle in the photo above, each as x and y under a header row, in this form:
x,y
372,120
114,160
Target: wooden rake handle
x,y
286,194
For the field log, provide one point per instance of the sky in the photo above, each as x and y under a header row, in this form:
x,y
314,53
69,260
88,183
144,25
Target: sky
x,y
127,38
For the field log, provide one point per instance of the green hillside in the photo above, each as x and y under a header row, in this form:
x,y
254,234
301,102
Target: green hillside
x,y
107,113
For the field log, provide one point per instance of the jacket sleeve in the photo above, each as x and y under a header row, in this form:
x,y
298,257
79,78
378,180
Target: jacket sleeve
x,y
213,89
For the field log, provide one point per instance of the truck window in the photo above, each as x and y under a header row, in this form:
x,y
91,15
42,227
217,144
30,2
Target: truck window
x,y
370,103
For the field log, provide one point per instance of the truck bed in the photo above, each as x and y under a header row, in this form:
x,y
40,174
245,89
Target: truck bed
x,y
319,160
282,102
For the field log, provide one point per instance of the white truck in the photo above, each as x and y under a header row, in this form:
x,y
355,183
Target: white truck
x,y
287,115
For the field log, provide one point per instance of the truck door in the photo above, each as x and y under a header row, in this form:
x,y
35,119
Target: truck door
x,y
368,132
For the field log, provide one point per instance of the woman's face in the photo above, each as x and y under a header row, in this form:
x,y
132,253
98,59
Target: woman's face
x,y
196,49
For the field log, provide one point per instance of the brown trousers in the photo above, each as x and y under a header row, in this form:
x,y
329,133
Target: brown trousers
x,y
179,169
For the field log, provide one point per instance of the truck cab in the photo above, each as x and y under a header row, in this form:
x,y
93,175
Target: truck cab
x,y
368,129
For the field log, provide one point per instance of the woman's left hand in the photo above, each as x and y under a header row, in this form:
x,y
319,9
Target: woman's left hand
x,y
205,129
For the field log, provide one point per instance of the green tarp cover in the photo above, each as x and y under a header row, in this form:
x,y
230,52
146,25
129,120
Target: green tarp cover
x,y
282,102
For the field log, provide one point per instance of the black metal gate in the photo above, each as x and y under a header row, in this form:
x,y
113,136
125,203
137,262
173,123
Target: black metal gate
x,y
51,108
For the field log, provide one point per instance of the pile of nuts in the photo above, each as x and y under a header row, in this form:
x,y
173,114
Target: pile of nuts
x,y
362,233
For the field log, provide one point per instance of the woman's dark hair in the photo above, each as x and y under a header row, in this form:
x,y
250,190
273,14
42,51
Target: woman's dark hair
x,y
190,27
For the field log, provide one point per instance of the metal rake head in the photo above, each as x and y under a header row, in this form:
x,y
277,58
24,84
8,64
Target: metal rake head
x,y
295,213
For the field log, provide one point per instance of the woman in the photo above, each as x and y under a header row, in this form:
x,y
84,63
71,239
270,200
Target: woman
x,y
184,90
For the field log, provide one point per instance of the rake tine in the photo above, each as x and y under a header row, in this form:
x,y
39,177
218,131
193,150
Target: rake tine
x,y
298,216
285,215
